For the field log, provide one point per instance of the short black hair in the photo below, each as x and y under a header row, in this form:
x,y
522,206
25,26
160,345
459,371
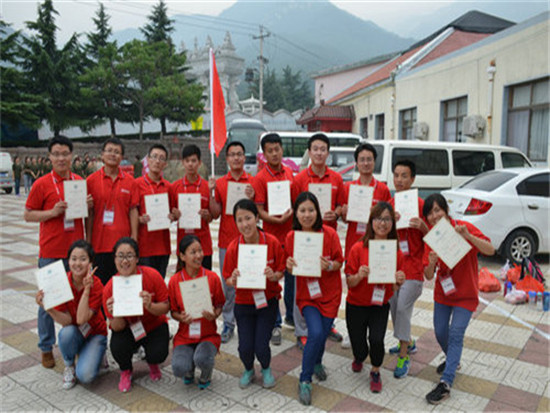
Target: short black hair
x,y
318,137
85,245
271,137
234,143
158,146
127,240
408,164
364,147
300,199
434,199
60,140
113,141
190,150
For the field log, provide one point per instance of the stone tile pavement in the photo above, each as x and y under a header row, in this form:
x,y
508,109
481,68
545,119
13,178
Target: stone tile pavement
x,y
505,364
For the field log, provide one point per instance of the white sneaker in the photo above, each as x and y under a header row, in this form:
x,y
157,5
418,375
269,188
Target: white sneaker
x,y
69,378
345,342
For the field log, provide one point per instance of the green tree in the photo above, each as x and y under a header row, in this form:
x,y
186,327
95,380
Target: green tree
x,y
159,26
100,38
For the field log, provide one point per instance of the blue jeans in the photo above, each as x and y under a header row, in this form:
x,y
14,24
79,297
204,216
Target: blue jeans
x,y
450,324
318,327
90,352
228,312
46,327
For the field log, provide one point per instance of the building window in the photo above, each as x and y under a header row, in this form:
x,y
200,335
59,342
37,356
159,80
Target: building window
x,y
407,119
528,110
379,127
364,127
454,112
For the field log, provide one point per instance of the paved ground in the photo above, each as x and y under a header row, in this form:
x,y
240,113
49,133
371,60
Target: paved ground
x,y
505,364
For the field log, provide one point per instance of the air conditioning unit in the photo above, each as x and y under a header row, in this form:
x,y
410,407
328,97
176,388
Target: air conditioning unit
x,y
420,130
473,126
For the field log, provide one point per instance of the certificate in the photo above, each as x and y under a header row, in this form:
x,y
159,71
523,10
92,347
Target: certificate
x,y
157,207
52,279
252,261
308,249
382,261
127,301
235,192
406,203
196,298
359,203
189,205
445,242
75,196
323,192
278,197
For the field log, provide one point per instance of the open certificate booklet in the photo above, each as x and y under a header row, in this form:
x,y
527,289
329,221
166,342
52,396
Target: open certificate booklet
x,y
359,202
52,279
196,297
189,206
323,192
75,193
127,301
235,192
406,203
308,249
158,209
278,197
382,261
252,260
446,243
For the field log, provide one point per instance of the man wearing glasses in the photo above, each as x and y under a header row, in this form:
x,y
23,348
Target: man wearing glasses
x,y
235,156
154,246
113,207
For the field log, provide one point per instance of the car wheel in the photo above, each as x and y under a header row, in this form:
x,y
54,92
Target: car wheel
x,y
519,244
8,190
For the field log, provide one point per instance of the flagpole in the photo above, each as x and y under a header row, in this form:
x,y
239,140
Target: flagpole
x,y
211,113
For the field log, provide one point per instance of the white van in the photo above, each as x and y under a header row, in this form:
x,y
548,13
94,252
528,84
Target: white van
x,y
6,172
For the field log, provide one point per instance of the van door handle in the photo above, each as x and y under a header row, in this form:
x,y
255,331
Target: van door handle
x,y
533,206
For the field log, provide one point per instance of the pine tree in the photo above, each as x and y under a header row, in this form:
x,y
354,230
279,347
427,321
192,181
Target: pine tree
x,y
100,38
160,26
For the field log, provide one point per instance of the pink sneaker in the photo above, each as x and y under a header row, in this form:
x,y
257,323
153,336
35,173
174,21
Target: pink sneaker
x,y
125,383
356,366
375,382
154,372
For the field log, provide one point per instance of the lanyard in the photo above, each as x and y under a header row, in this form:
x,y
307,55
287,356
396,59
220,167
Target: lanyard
x,y
182,273
109,204
262,238
197,185
54,180
146,179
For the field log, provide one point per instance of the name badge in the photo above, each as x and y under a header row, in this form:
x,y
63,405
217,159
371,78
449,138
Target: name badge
x,y
195,329
404,247
85,329
361,227
137,330
108,217
314,289
68,224
447,284
378,295
259,299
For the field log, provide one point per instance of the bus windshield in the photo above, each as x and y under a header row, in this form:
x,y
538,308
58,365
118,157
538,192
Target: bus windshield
x,y
248,137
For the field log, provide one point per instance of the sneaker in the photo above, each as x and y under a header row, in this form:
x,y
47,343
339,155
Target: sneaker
x,y
301,342
227,334
246,379
204,384
402,368
47,360
411,348
346,343
268,379
441,368
154,372
441,392
69,378
304,393
125,382
289,322
356,366
320,372
188,380
276,336
375,382
334,335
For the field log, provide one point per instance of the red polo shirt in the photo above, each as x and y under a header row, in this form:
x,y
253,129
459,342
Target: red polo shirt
x,y
54,240
155,242
260,187
208,328
361,294
110,195
200,186
464,275
330,281
275,260
97,322
381,193
307,176
228,229
153,283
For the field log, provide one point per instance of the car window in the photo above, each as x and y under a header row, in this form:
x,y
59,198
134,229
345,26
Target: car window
x,y
513,160
471,163
338,159
489,181
537,185
427,161
379,157
343,141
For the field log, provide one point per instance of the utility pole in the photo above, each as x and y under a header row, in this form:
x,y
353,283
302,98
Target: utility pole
x,y
262,59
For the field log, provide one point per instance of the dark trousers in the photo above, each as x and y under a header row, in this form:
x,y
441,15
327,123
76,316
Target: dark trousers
x,y
158,262
288,296
105,263
254,328
373,318
155,343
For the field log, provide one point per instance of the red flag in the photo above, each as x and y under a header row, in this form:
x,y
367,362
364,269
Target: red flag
x,y
218,131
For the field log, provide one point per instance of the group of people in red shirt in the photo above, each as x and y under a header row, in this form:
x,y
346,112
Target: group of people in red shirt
x,y
117,242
